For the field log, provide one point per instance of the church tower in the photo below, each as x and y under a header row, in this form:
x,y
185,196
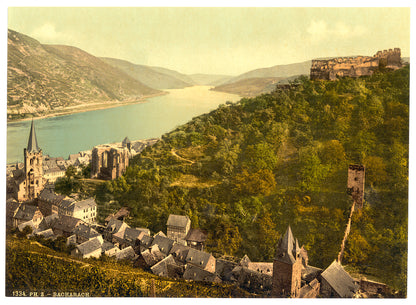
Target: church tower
x,y
33,166
287,267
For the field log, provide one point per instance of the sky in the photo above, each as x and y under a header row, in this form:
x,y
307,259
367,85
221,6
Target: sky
x,y
217,40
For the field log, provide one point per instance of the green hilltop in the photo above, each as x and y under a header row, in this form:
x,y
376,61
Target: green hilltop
x,y
247,170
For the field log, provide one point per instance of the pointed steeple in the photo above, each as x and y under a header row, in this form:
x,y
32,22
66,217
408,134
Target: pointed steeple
x,y
287,247
32,143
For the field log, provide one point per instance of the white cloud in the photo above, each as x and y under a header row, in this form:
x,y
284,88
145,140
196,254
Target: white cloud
x,y
45,33
319,30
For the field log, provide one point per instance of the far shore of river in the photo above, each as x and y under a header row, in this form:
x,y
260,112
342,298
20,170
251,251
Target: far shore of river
x,y
89,107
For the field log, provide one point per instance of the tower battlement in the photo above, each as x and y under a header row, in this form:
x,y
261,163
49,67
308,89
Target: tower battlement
x,y
331,69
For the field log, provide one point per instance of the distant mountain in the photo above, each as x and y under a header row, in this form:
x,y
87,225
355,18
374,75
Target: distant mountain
x,y
282,71
183,77
151,76
250,87
210,79
45,79
263,80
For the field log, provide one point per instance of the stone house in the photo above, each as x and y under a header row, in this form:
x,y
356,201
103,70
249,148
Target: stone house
x,y
119,215
91,248
150,257
336,282
373,288
12,206
26,213
47,234
126,254
261,267
178,227
179,252
224,268
48,198
201,259
84,233
310,290
109,249
84,209
194,273
164,243
128,237
161,268
65,225
251,280
114,226
196,239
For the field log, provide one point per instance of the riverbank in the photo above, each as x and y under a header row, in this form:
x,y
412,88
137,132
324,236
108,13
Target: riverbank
x,y
89,107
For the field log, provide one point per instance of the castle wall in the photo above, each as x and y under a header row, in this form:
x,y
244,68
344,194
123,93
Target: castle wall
x,y
334,68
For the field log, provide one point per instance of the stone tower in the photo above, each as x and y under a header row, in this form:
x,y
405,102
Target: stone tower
x,y
33,167
287,267
356,180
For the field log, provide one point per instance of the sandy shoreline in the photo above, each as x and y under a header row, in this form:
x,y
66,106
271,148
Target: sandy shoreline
x,y
90,107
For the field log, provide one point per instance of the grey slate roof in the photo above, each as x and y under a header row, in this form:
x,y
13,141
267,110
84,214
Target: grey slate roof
x,y
178,220
287,248
161,268
195,273
32,143
126,253
114,225
89,246
83,204
146,241
224,267
152,256
107,246
66,223
131,234
46,234
85,231
342,283
309,273
180,252
164,243
48,221
245,260
196,235
48,195
198,258
12,207
26,212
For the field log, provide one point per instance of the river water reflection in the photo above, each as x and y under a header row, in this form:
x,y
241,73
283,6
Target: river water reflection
x,y
69,134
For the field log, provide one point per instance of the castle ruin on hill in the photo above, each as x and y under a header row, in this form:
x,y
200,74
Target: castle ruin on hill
x,y
331,69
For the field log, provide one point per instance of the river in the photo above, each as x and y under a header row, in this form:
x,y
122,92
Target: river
x,y
68,134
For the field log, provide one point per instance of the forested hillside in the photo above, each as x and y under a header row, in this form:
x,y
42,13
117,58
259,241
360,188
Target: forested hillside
x,y
245,171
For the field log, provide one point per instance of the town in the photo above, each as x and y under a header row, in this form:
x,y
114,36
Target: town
x,y
180,253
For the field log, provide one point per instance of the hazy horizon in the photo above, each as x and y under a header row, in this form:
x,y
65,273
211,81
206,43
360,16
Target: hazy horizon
x,y
212,40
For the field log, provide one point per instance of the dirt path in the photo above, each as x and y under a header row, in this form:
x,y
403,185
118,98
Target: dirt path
x,y
347,232
173,152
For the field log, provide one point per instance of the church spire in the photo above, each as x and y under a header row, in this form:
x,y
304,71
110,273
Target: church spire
x,y
32,144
